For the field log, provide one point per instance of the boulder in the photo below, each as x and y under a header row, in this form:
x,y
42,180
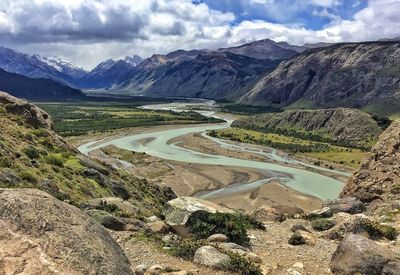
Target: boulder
x,y
158,227
217,238
122,224
178,211
359,255
140,269
42,235
300,237
276,213
152,219
351,205
301,227
210,256
325,212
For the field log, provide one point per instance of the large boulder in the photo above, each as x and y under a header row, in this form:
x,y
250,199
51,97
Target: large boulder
x,y
210,256
178,211
42,235
276,212
359,255
351,205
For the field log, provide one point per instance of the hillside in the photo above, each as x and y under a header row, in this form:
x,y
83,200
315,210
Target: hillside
x,y
35,66
33,155
37,88
209,75
377,182
360,75
341,125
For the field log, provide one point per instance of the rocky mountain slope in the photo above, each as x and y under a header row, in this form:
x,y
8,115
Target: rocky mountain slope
x,y
108,72
209,75
265,49
361,75
35,66
38,88
340,124
33,155
377,182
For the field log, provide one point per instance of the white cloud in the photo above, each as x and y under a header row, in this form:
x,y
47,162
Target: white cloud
x,y
88,31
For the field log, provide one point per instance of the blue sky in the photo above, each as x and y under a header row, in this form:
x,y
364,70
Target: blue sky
x,y
86,32
313,15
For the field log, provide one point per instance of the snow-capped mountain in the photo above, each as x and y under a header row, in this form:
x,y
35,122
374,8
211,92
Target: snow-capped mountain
x,y
35,66
108,72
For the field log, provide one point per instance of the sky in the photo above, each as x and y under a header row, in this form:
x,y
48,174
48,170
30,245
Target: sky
x,y
86,32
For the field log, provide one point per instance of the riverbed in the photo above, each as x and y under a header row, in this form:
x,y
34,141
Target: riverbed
x,y
158,144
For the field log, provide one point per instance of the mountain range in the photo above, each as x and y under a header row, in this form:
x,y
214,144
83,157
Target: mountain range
x,y
362,75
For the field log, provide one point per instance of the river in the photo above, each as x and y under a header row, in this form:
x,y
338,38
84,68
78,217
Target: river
x,y
159,145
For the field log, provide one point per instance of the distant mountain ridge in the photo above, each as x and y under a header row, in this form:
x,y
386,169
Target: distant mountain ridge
x,y
360,75
35,88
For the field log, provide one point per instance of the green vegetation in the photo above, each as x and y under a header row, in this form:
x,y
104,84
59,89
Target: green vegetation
x,y
296,239
241,264
36,158
322,224
186,248
234,226
377,230
79,118
236,108
319,150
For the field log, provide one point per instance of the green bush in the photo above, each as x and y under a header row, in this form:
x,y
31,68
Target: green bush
x,y
28,176
296,239
55,159
186,248
5,162
242,265
234,226
322,224
31,152
377,231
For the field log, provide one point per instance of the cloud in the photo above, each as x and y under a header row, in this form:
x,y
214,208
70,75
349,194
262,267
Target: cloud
x,y
88,31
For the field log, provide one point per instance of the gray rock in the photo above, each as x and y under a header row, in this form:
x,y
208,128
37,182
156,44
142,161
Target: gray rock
x,y
299,227
359,255
56,228
217,238
350,205
140,269
112,223
178,211
317,214
300,237
210,256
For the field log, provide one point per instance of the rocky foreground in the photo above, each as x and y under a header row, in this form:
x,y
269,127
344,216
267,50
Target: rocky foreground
x,y
123,225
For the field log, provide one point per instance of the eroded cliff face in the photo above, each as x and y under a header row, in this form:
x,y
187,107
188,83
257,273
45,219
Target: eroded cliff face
x,y
339,124
377,182
342,75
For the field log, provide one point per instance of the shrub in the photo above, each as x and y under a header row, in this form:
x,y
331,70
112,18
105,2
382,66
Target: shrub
x,y
31,152
187,248
55,159
242,265
234,226
376,230
41,132
108,207
28,176
322,224
296,239
5,162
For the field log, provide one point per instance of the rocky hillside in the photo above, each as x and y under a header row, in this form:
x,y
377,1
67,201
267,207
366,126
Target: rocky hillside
x,y
33,155
361,75
38,88
341,124
378,180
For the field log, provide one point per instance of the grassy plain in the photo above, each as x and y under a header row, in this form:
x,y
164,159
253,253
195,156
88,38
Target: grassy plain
x,y
83,117
319,151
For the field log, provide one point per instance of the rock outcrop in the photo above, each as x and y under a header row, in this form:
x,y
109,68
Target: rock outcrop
x,y
178,211
42,235
377,182
339,124
359,255
342,75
